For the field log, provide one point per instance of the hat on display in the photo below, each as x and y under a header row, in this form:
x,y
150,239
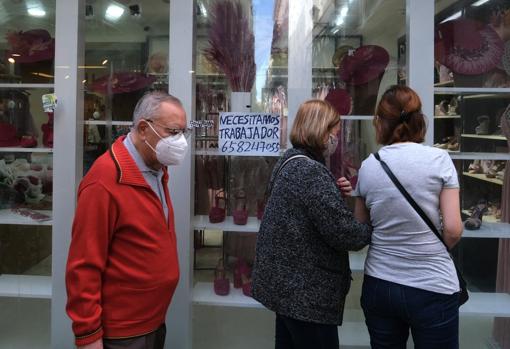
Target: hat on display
x,y
30,46
121,82
8,136
365,64
340,100
467,46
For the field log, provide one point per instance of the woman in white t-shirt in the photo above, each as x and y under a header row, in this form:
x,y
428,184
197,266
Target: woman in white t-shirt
x,y
410,280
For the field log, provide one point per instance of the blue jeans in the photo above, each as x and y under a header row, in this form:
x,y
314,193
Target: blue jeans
x,y
392,309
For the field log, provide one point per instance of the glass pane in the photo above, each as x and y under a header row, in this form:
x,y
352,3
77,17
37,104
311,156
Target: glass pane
x,y
241,67
126,54
27,49
471,108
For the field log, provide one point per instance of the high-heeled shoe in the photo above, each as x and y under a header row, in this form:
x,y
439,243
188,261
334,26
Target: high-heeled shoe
x,y
483,125
240,213
475,167
221,282
217,212
475,221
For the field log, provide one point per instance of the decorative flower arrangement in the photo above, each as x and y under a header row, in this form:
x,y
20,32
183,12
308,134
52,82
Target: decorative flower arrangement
x,y
232,44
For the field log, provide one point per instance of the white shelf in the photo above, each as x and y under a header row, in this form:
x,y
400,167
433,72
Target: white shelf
x,y
479,90
357,117
447,116
444,84
480,156
203,294
487,304
492,230
25,286
104,122
483,177
486,218
25,150
28,86
202,222
493,137
9,217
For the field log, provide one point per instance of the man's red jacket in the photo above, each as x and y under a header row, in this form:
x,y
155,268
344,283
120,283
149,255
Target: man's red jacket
x,y
122,268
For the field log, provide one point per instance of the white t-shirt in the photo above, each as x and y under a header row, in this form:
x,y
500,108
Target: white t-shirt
x,y
403,249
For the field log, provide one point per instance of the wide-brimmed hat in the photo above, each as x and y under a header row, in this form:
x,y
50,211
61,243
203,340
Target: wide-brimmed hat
x,y
365,64
30,46
340,54
340,100
467,46
121,82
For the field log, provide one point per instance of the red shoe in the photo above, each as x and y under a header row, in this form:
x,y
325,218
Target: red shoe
x,y
28,142
221,283
217,213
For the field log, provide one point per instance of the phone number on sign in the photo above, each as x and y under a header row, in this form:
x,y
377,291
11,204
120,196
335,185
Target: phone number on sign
x,y
246,147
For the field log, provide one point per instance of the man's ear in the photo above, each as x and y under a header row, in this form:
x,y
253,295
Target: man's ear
x,y
142,127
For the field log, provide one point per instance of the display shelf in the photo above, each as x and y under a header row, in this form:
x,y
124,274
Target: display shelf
x,y
487,304
202,222
104,122
447,116
28,86
9,217
480,91
25,150
203,294
216,152
489,230
480,156
357,117
492,137
25,286
483,177
452,151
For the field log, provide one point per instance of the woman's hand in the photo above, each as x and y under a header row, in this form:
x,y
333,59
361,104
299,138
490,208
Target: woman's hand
x,y
345,186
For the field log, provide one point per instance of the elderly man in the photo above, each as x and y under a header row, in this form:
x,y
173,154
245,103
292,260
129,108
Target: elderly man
x,y
122,268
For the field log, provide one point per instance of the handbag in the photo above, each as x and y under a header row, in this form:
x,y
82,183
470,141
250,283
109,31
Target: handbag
x,y
463,293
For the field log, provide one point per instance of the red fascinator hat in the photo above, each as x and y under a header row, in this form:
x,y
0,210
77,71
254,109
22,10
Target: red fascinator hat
x,y
366,63
31,46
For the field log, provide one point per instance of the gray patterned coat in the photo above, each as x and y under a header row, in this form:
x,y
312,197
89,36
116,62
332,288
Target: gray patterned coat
x,y
301,266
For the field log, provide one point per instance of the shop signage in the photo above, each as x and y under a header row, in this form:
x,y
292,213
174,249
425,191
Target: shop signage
x,y
249,133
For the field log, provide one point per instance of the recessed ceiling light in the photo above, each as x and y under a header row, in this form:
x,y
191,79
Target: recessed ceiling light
x,y
15,55
11,60
36,12
104,62
479,2
113,12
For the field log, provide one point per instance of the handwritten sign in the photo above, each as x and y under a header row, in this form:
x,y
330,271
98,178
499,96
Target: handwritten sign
x,y
249,133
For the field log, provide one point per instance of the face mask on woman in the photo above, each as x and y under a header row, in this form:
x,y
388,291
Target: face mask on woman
x,y
331,145
169,150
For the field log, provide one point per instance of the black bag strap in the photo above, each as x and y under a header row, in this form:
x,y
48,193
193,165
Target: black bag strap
x,y
270,189
411,201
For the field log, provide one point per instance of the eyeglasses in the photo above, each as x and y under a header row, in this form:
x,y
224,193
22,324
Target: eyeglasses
x,y
186,132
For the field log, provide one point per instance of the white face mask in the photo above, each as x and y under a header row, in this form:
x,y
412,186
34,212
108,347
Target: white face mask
x,y
169,150
331,146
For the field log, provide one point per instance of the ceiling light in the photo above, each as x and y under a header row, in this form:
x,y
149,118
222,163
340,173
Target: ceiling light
x,y
203,10
15,55
104,62
479,2
339,21
344,11
113,12
36,12
452,17
11,60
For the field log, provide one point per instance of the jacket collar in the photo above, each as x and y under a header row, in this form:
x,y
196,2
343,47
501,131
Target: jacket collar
x,y
127,170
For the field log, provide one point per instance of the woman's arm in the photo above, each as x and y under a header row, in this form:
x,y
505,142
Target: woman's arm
x,y
449,204
361,212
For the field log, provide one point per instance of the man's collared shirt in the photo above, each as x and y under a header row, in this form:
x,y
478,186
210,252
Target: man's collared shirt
x,y
152,177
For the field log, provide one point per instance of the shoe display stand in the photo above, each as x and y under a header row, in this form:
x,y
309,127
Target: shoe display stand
x,y
480,154
25,169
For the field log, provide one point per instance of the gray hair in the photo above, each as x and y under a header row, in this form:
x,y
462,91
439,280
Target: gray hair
x,y
148,106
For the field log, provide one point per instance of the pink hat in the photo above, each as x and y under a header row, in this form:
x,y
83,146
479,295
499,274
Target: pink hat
x,y
467,46
364,65
122,82
340,100
8,135
31,46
